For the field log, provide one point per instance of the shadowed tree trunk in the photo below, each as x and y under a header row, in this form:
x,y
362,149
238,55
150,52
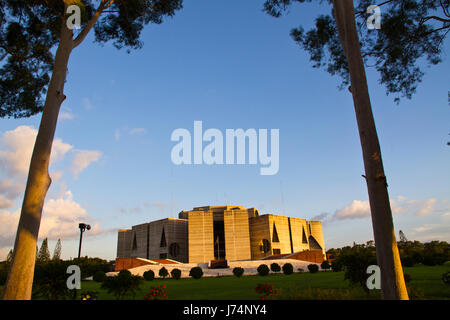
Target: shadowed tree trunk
x,y
392,281
20,277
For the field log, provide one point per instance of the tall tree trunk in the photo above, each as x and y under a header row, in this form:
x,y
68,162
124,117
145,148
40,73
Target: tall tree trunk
x,y
20,276
392,281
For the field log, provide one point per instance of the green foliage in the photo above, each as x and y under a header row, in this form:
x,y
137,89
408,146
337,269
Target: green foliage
x,y
446,278
57,251
99,276
336,266
263,270
325,265
410,32
355,263
288,269
30,31
429,253
122,284
89,266
275,267
163,273
157,293
266,291
313,268
50,280
175,273
238,271
196,272
149,275
44,253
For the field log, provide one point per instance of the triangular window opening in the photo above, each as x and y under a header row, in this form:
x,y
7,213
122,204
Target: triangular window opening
x,y
304,240
313,244
134,242
275,234
163,243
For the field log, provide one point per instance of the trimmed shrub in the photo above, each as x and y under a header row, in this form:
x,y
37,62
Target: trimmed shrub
x,y
163,273
275,267
122,284
99,276
325,265
336,266
238,272
313,268
149,275
288,269
196,272
175,273
263,270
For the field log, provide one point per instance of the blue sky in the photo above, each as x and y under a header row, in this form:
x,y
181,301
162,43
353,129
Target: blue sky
x,y
231,66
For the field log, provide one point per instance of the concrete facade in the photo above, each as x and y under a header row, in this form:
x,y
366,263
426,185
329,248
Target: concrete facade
x,y
210,233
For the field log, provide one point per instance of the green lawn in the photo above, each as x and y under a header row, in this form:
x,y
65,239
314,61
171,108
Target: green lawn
x,y
426,283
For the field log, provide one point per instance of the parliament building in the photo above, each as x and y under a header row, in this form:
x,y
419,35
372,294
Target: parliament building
x,y
220,233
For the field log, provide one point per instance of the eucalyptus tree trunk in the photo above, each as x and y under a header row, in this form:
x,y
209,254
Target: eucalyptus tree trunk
x,y
392,280
20,276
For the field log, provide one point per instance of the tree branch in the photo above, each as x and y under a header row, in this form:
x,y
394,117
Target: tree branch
x,y
82,35
435,18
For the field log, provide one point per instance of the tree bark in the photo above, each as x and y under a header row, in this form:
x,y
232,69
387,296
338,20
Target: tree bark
x,y
20,276
392,280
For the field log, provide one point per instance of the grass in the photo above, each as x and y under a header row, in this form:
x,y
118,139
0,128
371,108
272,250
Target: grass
x,y
426,283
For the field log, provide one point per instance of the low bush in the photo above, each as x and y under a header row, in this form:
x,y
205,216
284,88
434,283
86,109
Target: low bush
x,y
238,272
149,275
325,265
99,276
336,266
122,284
163,273
157,293
266,291
313,268
288,269
175,273
263,270
196,272
275,267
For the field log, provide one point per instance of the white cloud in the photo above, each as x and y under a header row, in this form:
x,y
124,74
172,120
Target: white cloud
x,y
83,159
361,209
66,114
61,214
357,209
87,104
17,147
117,134
5,203
135,131
427,207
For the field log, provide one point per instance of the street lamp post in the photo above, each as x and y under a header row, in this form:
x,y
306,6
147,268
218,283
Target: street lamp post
x,y
82,227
